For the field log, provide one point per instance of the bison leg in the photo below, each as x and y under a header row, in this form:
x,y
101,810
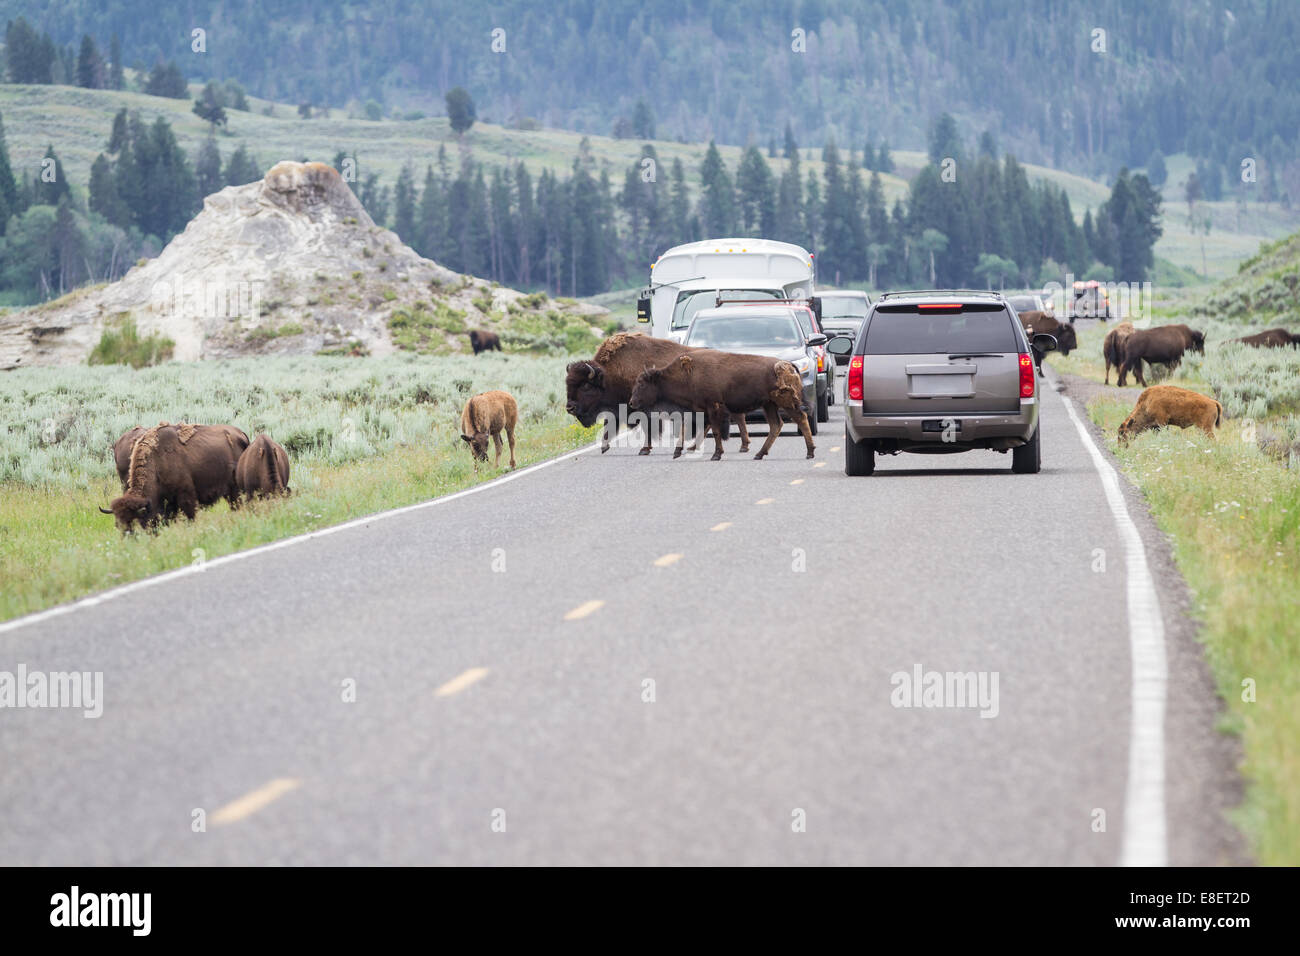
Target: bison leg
x,y
510,435
744,434
773,415
718,418
496,440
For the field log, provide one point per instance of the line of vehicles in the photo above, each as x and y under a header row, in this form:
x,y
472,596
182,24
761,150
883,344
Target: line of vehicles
x,y
930,372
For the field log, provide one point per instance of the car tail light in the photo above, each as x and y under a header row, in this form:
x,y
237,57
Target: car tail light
x,y
855,378
821,361
1026,376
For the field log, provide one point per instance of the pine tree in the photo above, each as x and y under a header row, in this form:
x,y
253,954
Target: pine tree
x,y
643,121
9,201
525,225
431,220
679,206
30,56
718,197
811,215
754,188
404,200
51,184
884,161
791,150
118,138
116,76
789,204
945,141
103,194
207,168
241,168
90,67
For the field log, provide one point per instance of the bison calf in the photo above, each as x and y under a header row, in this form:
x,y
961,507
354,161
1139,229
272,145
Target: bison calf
x,y
263,469
484,341
487,414
722,384
1163,405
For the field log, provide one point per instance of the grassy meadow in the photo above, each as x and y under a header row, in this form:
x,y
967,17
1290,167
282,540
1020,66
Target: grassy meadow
x,y
363,435
1232,510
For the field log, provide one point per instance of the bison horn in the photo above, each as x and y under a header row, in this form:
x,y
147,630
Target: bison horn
x,y
104,510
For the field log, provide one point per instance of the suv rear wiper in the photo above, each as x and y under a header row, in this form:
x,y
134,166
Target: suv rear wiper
x,y
957,355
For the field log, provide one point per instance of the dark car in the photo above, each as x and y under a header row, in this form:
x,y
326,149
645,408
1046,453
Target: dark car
x,y
843,314
941,372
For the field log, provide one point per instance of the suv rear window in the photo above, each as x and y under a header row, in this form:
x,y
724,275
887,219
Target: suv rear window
x,y
907,330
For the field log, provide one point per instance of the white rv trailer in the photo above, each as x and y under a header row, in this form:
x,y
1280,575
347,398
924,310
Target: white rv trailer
x,y
696,275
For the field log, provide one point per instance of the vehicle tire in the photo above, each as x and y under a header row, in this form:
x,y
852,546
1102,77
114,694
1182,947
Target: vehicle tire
x,y
859,458
812,424
824,406
1028,458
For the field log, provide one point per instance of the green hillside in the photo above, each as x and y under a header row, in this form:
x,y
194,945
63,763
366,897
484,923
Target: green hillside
x,y
77,123
1265,289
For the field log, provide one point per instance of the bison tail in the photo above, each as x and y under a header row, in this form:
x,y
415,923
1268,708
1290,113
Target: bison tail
x,y
1218,414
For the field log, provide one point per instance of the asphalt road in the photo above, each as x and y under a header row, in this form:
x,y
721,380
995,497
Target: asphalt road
x,y
494,722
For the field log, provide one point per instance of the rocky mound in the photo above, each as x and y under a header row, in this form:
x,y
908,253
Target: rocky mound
x,y
290,264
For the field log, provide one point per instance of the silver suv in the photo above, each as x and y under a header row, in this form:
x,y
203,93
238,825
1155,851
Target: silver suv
x,y
941,372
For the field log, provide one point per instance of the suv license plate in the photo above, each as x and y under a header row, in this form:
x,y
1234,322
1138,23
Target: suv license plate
x,y
939,424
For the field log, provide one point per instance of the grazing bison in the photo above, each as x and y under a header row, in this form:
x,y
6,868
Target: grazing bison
x,y
122,452
1271,339
263,469
721,384
487,414
1163,345
1112,349
1039,322
178,468
604,384
1163,405
484,341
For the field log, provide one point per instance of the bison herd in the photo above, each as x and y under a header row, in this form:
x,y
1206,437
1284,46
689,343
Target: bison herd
x,y
176,469
646,375
1125,348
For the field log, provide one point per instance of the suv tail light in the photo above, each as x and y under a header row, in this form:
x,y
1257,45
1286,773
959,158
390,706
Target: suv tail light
x,y
855,378
1026,376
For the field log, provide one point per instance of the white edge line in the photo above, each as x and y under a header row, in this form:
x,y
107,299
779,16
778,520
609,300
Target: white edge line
x,y
37,617
1145,842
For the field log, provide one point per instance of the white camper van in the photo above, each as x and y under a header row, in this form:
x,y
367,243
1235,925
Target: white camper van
x,y
696,275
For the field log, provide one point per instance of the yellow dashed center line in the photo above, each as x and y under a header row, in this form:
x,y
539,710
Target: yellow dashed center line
x,y
764,501
721,526
250,803
836,448
457,684
820,464
797,481
582,610
666,560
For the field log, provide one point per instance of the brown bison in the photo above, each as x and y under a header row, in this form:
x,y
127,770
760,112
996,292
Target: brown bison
x,y
122,452
1163,345
604,384
263,469
1163,405
178,468
1036,322
1271,339
487,414
721,384
484,341
1112,349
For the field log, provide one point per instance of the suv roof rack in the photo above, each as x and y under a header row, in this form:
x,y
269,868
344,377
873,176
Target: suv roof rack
x,y
799,302
920,292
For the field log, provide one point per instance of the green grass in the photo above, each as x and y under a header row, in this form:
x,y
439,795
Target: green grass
x,y
363,435
122,344
1232,510
1233,515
